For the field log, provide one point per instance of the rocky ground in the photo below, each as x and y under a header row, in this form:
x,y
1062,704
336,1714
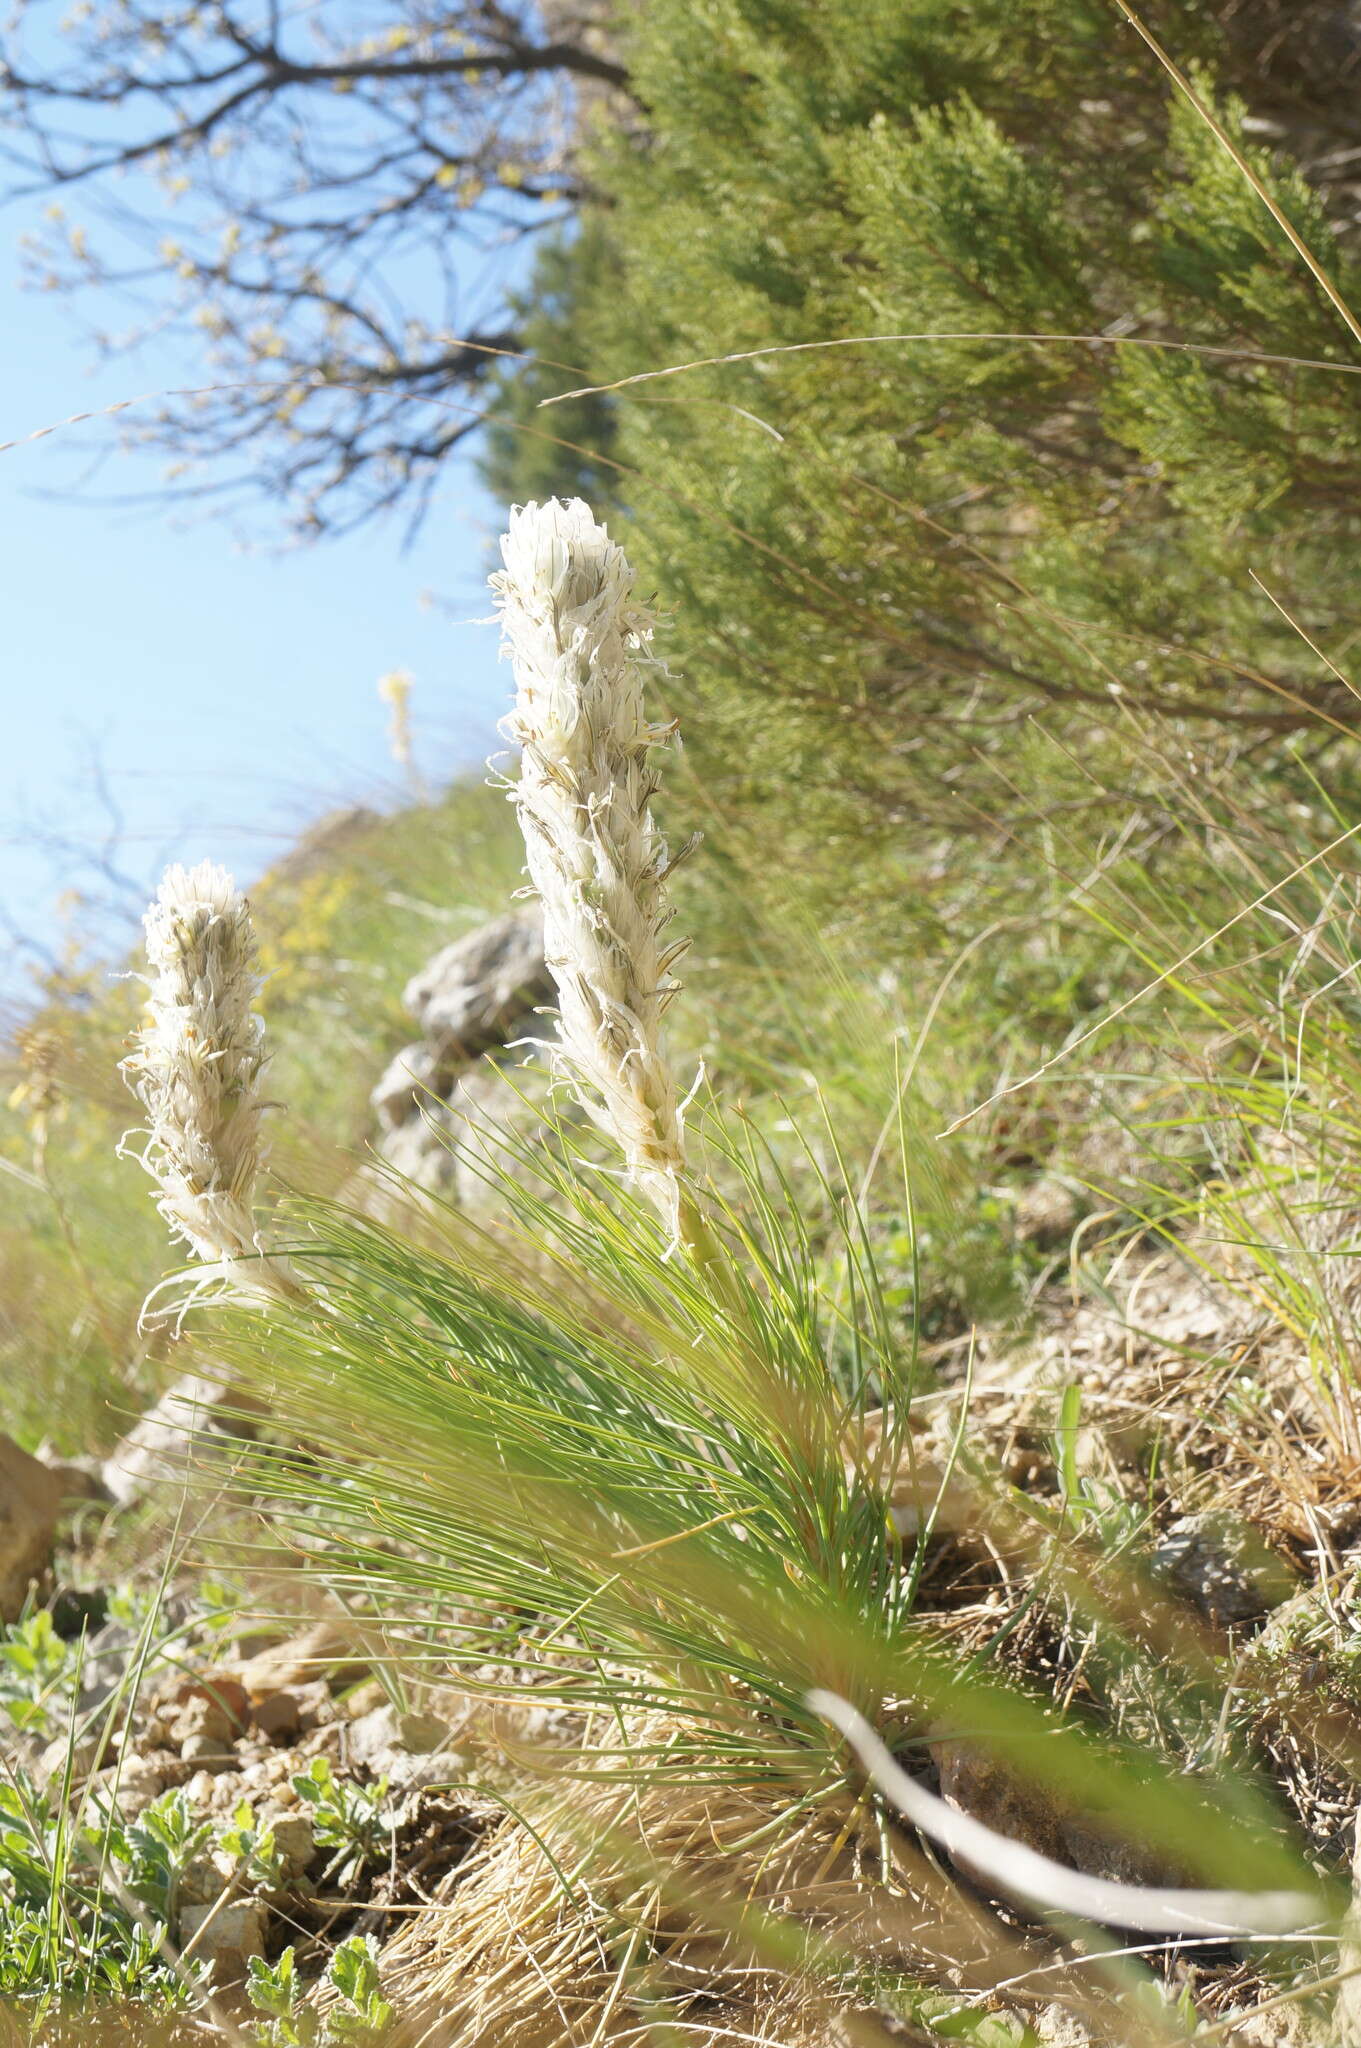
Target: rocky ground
x,y
308,1835
266,1790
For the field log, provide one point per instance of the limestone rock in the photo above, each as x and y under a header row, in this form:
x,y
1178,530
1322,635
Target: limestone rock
x,y
1281,2026
919,1484
316,1707
473,994
322,1651
278,1715
205,1878
422,1734
447,1101
375,1735
215,1792
415,1076
409,1750
492,1103
422,1152
216,1705
1231,1578
30,1503
408,1775
84,1756
1056,2027
225,1937
1047,1212
457,1148
199,1414
207,1753
294,1842
132,1786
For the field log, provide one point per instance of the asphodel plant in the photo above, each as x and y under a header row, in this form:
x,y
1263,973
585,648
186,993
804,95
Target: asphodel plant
x,y
581,647
196,1067
689,1469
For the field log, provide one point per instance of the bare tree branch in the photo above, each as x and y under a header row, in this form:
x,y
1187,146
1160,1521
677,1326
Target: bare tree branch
x,y
337,214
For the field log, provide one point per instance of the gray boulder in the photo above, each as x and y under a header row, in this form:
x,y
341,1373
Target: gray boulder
x,y
462,1147
454,1106
422,1152
415,1076
471,997
198,1415
1223,1569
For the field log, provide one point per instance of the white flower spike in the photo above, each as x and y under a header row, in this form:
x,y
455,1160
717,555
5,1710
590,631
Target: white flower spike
x,y
196,1068
581,653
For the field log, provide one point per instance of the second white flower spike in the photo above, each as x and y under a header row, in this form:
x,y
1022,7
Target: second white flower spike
x,y
196,1068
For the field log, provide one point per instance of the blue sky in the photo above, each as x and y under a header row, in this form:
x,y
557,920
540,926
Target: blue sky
x,y
228,696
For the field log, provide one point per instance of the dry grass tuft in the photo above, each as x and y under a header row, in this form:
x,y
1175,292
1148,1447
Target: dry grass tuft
x,y
581,1921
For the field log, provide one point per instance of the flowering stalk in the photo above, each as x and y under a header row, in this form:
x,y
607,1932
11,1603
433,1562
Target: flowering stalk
x,y
394,690
580,649
196,1067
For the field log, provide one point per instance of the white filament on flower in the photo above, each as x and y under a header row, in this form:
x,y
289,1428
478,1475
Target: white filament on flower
x,y
196,1067
581,653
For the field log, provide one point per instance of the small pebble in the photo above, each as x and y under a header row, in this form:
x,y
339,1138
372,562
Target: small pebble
x,y
225,1937
208,1753
278,1715
293,1839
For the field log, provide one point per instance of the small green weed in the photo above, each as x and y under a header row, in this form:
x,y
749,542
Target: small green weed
x,y
158,1849
37,1674
253,1846
346,1817
362,2015
65,1936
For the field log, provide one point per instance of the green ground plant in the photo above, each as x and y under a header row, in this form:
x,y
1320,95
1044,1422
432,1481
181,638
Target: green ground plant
x,y
349,1819
359,2016
85,1902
